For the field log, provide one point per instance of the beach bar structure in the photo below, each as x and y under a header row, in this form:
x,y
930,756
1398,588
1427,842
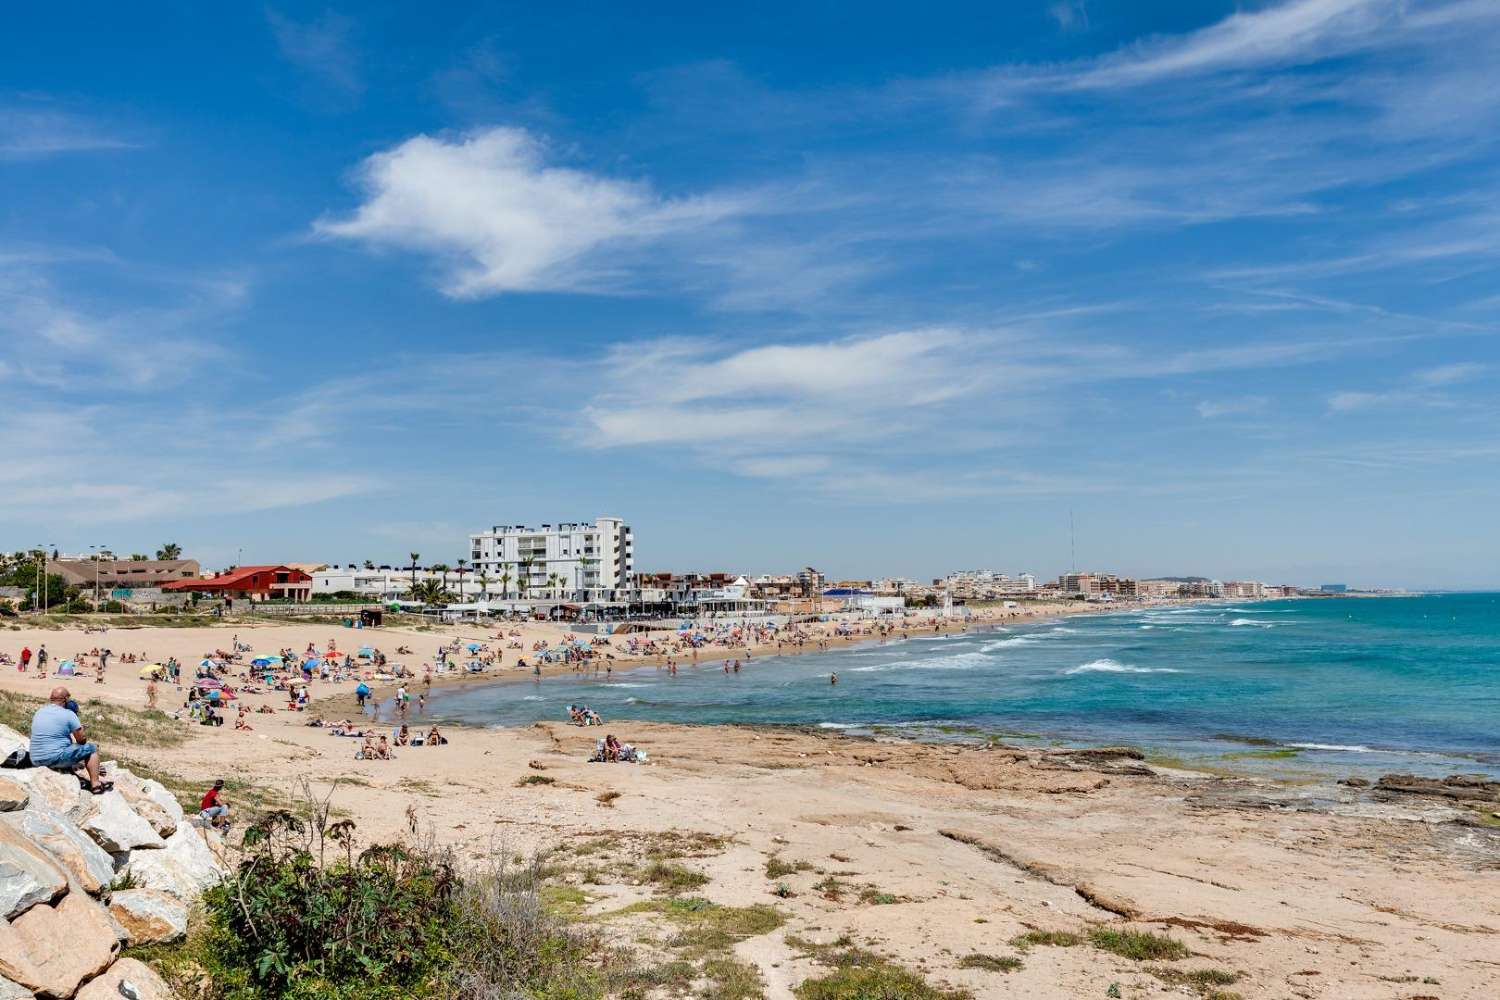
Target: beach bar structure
x,y
254,583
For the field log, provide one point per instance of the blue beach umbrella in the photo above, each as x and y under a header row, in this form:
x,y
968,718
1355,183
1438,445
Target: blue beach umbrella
x,y
366,651
473,647
259,661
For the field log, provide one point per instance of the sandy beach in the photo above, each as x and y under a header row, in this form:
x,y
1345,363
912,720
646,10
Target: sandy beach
x,y
927,855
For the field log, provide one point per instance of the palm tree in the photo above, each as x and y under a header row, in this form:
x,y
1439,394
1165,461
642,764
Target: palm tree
x,y
171,550
523,577
504,584
461,571
441,568
552,581
369,564
429,592
484,586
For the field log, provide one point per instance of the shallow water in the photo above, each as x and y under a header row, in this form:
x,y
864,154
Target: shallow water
x,y
1323,686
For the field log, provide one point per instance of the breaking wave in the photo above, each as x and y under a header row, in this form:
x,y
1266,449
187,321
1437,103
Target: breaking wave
x,y
1108,666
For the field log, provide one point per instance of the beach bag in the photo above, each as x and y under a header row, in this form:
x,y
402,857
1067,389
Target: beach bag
x,y
18,760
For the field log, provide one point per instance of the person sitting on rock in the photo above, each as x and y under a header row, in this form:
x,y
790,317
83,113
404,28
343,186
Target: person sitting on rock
x,y
59,742
214,810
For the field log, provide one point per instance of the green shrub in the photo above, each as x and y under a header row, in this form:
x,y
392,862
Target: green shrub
x,y
373,925
1139,945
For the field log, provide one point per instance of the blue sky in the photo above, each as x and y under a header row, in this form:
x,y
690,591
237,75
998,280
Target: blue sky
x,y
883,290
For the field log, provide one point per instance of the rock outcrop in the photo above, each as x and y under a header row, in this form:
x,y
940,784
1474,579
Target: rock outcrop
x,y
1458,787
61,851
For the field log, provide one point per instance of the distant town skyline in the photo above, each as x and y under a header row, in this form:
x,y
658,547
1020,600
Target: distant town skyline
x,y
886,292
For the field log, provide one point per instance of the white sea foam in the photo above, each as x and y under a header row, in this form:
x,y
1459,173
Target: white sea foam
x,y
1251,621
957,661
1331,746
1019,640
837,725
1108,666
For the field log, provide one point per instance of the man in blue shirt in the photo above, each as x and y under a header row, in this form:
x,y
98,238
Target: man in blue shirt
x,y
58,741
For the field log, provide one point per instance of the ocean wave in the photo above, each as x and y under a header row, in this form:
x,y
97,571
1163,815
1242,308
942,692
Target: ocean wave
x,y
1019,640
838,725
1332,746
957,661
1108,666
1251,621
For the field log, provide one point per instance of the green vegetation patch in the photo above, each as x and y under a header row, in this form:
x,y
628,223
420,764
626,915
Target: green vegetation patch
x,y
1050,939
1141,946
990,963
777,868
862,975
107,724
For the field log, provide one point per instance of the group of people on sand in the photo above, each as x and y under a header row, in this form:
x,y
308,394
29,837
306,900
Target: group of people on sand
x,y
582,715
611,751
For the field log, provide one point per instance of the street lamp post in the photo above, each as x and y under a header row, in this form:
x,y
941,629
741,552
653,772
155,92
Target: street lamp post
x,y
98,558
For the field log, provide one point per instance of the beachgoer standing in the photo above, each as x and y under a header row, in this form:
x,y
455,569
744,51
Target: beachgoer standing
x,y
41,660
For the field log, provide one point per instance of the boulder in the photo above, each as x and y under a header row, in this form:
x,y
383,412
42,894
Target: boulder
x,y
149,916
14,991
192,851
127,979
184,869
116,827
54,790
13,795
86,863
11,741
52,949
27,875
145,804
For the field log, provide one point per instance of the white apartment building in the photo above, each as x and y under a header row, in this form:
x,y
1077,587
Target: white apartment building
x,y
591,562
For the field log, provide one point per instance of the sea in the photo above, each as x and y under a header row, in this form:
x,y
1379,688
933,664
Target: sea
x,y
1298,688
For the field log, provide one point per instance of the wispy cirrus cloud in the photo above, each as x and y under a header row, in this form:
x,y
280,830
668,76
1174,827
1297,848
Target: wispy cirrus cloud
x,y
1424,387
324,48
32,131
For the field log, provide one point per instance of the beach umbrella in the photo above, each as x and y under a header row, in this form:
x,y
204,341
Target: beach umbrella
x,y
473,647
259,661
66,667
366,651
151,668
208,684
332,654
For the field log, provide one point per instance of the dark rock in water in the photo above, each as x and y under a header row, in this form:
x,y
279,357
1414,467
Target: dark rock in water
x,y
1356,782
1461,787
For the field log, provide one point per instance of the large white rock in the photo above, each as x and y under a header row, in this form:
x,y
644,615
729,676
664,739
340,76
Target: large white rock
x,y
52,949
54,790
27,875
149,916
118,828
128,979
185,868
145,806
10,990
13,796
90,867
188,846
10,741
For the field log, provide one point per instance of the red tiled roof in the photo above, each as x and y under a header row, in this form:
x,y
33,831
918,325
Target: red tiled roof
x,y
233,580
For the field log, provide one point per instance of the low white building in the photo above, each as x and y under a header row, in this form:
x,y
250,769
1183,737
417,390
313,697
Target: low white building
x,y
584,562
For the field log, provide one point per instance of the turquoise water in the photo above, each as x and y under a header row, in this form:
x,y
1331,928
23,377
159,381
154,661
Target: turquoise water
x,y
1349,684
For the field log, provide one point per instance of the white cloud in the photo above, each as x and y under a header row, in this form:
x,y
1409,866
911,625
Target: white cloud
x,y
325,47
502,219
1231,406
1462,371
1070,15
1280,34
31,132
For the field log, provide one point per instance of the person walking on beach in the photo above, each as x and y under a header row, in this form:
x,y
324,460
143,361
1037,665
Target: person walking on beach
x,y
25,658
41,660
151,692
